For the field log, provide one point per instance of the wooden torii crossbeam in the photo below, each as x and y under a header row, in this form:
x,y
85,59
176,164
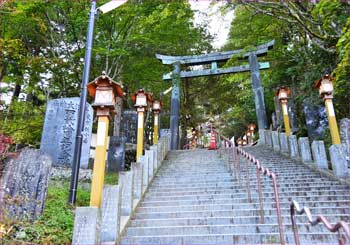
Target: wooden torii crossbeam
x,y
213,59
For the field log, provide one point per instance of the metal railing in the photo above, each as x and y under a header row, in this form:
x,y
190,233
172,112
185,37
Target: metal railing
x,y
230,150
295,209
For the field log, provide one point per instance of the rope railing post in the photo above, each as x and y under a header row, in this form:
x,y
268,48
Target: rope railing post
x,y
233,164
247,156
295,209
294,224
277,201
261,201
239,167
235,153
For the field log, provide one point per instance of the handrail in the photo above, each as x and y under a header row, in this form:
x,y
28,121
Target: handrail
x,y
295,209
237,152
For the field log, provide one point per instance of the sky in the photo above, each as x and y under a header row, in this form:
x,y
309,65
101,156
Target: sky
x,y
219,25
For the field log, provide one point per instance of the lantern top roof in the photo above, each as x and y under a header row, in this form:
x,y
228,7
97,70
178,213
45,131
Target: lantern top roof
x,y
105,81
282,88
318,82
141,90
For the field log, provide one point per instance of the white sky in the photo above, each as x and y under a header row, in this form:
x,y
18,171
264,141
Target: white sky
x,y
219,25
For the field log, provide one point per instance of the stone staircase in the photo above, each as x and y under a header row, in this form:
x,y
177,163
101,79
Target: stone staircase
x,y
194,199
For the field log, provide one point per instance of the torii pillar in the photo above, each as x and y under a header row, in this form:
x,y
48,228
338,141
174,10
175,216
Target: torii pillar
x,y
258,91
175,107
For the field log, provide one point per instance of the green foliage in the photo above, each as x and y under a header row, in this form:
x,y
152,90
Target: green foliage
x,y
342,73
111,179
44,56
55,225
303,51
24,122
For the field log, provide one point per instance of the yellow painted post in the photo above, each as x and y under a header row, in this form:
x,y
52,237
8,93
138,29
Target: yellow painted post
x,y
155,129
140,121
100,162
285,117
333,127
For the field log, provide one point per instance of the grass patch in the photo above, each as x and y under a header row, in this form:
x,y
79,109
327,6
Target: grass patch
x,y
111,179
55,225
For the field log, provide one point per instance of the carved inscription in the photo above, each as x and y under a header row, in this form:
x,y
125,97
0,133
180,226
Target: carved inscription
x,y
60,128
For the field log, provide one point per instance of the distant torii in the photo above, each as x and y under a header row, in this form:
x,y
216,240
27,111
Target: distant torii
x,y
212,58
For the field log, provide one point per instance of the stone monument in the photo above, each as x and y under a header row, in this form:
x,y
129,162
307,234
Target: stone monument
x,y
59,133
129,126
316,119
116,154
24,184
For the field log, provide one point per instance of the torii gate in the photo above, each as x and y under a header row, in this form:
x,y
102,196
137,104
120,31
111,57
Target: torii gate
x,y
212,58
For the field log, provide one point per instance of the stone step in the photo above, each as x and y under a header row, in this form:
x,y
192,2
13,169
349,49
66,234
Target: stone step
x,y
229,239
244,201
254,194
230,206
243,193
234,198
234,229
237,206
225,220
204,188
146,213
185,183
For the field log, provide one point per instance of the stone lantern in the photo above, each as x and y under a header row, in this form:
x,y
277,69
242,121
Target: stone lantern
x,y
104,91
325,87
141,100
283,95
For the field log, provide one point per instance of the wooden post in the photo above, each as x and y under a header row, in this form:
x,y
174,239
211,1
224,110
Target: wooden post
x,y
333,127
100,162
286,117
155,129
140,120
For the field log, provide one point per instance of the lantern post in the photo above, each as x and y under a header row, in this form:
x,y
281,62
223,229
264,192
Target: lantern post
x,y
140,98
156,107
283,93
325,87
104,91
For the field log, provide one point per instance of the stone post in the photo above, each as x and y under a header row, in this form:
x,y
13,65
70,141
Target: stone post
x,y
345,136
262,137
304,148
137,168
86,225
145,173
155,162
319,154
111,207
126,180
268,139
293,147
338,159
284,143
275,141
150,156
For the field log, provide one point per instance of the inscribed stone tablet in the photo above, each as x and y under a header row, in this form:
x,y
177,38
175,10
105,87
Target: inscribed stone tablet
x,y
59,133
129,126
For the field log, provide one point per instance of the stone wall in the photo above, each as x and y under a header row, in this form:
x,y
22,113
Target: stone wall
x,y
313,153
105,225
